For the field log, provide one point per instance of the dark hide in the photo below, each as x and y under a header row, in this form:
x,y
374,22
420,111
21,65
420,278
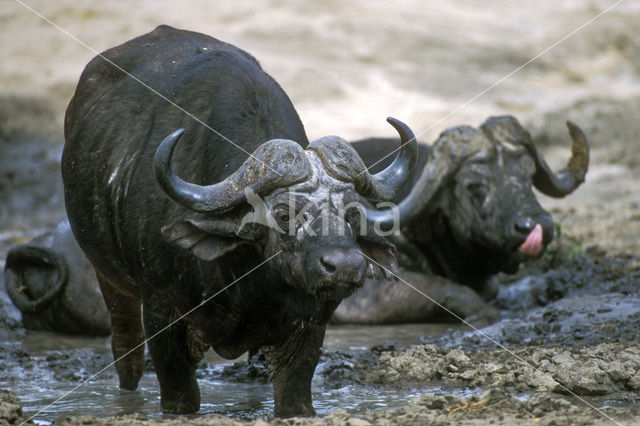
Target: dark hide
x,y
54,285
481,210
172,241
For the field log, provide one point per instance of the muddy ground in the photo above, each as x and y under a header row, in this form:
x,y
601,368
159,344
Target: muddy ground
x,y
571,321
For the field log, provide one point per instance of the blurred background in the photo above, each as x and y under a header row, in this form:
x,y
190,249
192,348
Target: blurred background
x,y
347,65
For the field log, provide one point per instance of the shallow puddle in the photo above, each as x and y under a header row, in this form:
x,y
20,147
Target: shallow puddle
x,y
103,398
38,383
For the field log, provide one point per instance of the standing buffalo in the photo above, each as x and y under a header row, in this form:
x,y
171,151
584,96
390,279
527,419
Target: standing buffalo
x,y
182,247
53,284
469,214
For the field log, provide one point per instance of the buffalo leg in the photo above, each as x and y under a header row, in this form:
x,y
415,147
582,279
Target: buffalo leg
x,y
173,362
292,364
386,301
127,336
467,304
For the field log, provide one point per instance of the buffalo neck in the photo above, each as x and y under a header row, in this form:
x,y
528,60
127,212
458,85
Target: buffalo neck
x,y
449,258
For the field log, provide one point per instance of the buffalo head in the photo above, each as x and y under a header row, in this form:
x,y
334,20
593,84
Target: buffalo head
x,y
53,284
302,204
473,210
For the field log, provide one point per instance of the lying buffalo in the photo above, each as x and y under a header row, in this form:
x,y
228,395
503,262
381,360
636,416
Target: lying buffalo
x,y
182,247
468,215
53,284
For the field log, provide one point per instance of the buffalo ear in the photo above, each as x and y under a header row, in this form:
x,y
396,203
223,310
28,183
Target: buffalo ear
x,y
207,238
380,255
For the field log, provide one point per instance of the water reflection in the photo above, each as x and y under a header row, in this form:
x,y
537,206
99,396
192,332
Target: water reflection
x,y
103,398
358,337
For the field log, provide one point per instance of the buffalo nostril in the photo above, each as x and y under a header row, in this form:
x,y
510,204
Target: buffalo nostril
x,y
342,263
525,225
327,265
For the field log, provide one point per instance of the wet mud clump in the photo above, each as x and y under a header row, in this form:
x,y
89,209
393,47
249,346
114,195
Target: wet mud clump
x,y
10,408
596,370
496,405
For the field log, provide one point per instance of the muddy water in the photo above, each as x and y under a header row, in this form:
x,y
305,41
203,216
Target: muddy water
x,y
58,364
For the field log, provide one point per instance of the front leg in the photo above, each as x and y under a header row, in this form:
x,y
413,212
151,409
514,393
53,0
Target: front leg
x,y
292,364
466,303
172,358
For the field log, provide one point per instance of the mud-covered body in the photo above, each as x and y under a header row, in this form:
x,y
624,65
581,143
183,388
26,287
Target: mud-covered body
x,y
181,245
54,285
477,215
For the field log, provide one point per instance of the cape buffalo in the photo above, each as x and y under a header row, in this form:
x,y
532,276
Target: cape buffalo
x,y
53,284
183,247
468,212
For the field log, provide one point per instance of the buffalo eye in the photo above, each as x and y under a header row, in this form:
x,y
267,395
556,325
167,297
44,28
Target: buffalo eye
x,y
352,215
283,217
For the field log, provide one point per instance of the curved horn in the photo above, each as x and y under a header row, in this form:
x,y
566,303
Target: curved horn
x,y
27,254
342,162
566,181
276,163
386,183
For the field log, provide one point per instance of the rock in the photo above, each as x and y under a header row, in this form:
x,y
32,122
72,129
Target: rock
x,y
355,421
541,403
10,408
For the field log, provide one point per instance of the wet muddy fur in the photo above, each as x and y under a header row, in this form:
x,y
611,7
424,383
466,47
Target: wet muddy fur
x,y
169,243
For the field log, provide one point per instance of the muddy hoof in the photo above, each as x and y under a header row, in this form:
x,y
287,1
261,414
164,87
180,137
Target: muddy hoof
x,y
295,411
129,384
180,407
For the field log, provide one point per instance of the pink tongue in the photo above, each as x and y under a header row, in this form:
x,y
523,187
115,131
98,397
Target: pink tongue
x,y
533,243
